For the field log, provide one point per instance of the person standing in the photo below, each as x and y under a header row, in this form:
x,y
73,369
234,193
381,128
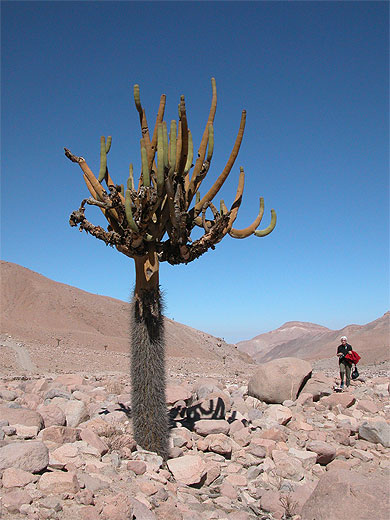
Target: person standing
x,y
344,365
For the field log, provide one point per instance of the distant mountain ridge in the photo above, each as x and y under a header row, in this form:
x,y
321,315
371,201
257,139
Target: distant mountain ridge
x,y
312,342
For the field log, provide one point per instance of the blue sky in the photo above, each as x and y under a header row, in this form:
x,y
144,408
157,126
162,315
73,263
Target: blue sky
x,y
313,77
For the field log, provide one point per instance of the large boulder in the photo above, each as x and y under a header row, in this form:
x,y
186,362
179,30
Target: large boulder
x,y
279,380
375,431
341,493
31,456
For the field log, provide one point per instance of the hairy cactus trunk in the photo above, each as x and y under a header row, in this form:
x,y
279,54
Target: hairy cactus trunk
x,y
149,411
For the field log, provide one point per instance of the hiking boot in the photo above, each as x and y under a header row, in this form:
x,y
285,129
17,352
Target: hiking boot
x,y
342,384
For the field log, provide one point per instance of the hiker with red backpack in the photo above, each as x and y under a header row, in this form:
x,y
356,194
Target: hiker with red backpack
x,y
347,357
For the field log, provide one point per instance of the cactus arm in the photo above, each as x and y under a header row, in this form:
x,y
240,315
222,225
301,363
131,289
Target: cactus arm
x,y
103,159
129,213
160,159
246,232
144,125
223,209
145,165
237,202
188,165
184,137
178,146
269,229
159,119
223,176
108,144
203,144
130,180
165,144
172,145
210,148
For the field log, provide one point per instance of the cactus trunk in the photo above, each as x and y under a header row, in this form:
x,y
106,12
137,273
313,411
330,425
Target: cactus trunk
x,y
149,411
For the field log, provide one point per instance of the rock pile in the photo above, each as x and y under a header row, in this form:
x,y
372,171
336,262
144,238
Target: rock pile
x,y
67,451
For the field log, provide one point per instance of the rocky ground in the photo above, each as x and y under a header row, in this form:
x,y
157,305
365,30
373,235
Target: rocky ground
x,y
67,451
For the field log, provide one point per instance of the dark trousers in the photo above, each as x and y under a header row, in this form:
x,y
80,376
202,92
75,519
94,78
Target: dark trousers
x,y
345,371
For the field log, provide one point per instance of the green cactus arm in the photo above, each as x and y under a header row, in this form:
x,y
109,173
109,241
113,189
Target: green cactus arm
x,y
103,159
172,145
145,165
184,137
144,126
246,232
108,144
165,144
130,180
203,144
160,159
137,99
178,146
269,229
129,213
210,148
159,119
223,176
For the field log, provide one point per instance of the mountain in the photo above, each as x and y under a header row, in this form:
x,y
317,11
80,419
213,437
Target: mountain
x,y
58,319
312,342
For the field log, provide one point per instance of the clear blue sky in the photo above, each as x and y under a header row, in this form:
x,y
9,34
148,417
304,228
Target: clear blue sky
x,y
313,77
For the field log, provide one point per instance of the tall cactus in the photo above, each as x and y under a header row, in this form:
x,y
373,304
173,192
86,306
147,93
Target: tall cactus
x,y
152,223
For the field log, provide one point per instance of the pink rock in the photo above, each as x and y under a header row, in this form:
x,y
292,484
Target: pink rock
x,y
85,497
236,479
241,437
278,413
325,452
137,466
341,493
60,434
89,513
189,469
220,443
274,434
176,393
15,477
32,456
119,507
227,490
52,415
235,426
268,445
213,472
70,380
270,502
307,458
21,416
345,399
206,427
57,482
279,380
13,500
205,386
94,440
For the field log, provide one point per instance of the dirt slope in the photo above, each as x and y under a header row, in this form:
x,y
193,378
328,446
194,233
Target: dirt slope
x,y
65,321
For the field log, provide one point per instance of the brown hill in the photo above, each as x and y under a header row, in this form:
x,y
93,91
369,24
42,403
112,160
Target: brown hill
x,y
60,322
313,342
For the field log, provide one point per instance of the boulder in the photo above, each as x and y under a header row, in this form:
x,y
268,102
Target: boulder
x,y
342,493
189,469
59,482
175,393
206,427
319,385
376,432
31,456
344,399
279,380
15,477
278,413
22,416
325,452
